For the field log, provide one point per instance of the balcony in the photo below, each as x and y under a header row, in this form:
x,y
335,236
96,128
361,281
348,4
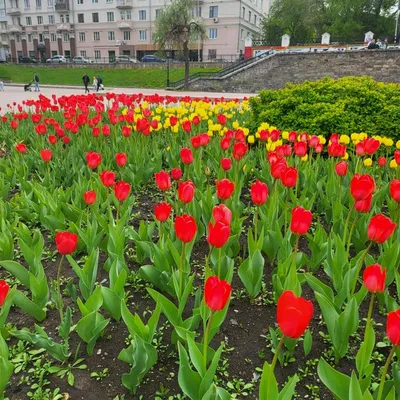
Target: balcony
x,y
14,28
64,27
15,11
122,4
125,24
62,5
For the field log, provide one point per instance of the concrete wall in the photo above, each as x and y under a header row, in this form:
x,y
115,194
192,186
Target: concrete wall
x,y
274,73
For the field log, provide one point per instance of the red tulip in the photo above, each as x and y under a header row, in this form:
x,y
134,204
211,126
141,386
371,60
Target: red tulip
x,y
393,327
93,159
336,150
173,120
122,190
239,151
374,278
66,242
65,139
186,155
289,177
163,180
341,168
360,149
278,168
21,148
195,140
46,155
52,139
107,178
380,228
361,186
364,206
185,228
222,212
395,190
371,145
292,136
187,126
14,125
196,120
314,141
301,221
397,156
218,234
4,288
300,149
121,159
222,119
382,161
259,193
162,211
293,314
176,174
216,293
225,143
225,188
226,164
89,197
204,139
186,191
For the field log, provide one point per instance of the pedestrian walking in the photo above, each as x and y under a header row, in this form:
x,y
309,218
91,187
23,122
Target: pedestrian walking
x,y
36,81
99,82
94,83
86,81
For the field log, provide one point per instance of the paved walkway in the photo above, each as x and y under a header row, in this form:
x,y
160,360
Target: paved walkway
x,y
15,93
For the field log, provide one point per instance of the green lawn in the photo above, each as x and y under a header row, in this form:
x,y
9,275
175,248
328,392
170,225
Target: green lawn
x,y
140,78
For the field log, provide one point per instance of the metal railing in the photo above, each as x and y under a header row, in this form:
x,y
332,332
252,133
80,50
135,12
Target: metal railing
x,y
223,72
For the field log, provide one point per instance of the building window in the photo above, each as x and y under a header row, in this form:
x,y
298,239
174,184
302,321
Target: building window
x,y
142,15
127,35
28,20
27,4
50,3
95,1
81,18
243,12
51,19
111,35
66,37
110,17
18,38
109,1
83,53
40,20
79,2
38,3
142,35
95,17
53,37
126,15
82,36
196,11
67,18
29,37
158,12
97,54
62,18
255,19
96,36
213,11
40,37
242,34
249,16
213,33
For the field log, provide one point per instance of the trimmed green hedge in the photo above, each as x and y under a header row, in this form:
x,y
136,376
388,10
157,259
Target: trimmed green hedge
x,y
345,106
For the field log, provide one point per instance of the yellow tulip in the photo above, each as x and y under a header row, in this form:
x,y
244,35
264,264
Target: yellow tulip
x,y
305,158
285,135
250,139
344,139
393,164
346,156
398,145
368,162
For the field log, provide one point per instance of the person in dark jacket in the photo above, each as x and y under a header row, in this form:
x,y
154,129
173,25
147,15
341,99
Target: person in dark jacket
x,y
36,82
86,81
99,82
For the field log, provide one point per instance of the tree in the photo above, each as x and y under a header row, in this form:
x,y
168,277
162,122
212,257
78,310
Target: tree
x,y
176,28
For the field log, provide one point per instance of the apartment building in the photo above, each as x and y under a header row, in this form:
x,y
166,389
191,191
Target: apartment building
x,y
103,29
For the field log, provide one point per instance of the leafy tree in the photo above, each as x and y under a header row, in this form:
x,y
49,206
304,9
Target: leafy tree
x,y
175,28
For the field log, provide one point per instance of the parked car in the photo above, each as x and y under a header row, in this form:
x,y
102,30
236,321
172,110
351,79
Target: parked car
x,y
57,60
27,60
125,60
152,59
81,60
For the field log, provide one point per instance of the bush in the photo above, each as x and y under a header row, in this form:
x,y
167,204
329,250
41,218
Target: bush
x,y
343,106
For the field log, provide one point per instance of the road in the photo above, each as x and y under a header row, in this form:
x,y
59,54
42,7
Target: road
x,y
15,93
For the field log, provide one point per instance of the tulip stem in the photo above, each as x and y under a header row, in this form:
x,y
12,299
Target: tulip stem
x,y
384,372
205,339
353,225
60,304
278,349
255,224
181,268
346,225
160,234
371,306
296,247
207,264
359,266
219,262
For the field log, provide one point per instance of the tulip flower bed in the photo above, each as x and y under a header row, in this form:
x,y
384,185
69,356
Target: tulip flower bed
x,y
153,247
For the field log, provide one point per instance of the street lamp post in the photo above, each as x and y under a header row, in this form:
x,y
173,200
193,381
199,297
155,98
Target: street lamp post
x,y
397,23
